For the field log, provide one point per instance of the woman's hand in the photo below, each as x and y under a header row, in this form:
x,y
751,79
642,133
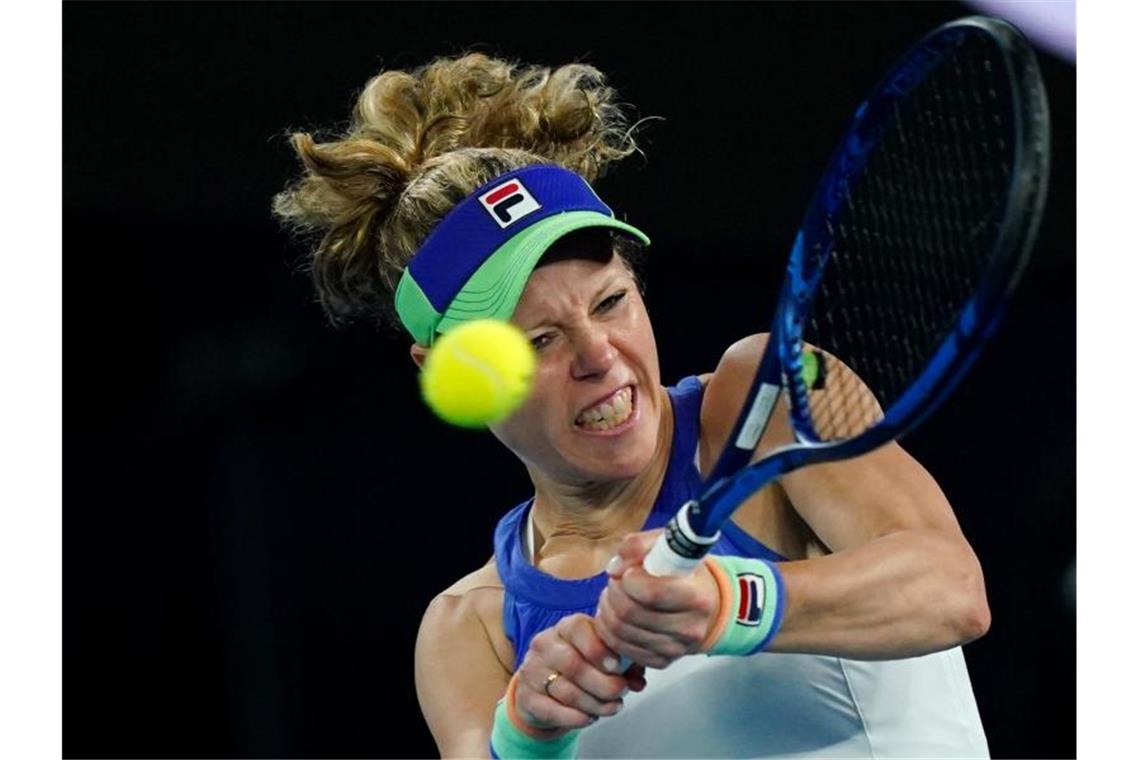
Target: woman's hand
x,y
588,685
654,621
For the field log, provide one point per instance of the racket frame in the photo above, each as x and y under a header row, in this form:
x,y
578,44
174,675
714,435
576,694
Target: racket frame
x,y
735,477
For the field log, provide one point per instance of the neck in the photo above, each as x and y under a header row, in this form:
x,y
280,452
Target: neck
x,y
578,527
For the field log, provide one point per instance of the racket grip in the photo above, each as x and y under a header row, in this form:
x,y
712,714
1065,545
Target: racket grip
x,y
677,551
662,560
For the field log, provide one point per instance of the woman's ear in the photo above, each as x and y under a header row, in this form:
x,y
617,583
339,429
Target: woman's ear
x,y
419,354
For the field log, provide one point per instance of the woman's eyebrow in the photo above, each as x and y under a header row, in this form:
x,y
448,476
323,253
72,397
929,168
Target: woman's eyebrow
x,y
541,319
548,321
526,325
609,283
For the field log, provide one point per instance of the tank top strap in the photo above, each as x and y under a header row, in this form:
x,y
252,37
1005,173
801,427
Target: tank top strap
x,y
682,477
526,582
534,600
681,481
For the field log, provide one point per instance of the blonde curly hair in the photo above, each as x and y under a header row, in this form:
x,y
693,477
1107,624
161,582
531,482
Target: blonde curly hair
x,y
421,141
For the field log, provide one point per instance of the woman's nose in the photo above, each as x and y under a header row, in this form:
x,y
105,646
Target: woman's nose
x,y
594,354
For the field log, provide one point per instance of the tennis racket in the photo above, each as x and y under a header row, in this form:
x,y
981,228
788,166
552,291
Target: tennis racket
x,y
906,257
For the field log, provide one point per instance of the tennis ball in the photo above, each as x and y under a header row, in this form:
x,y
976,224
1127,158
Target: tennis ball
x,y
478,373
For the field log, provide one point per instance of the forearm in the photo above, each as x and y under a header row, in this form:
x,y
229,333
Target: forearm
x,y
905,594
473,743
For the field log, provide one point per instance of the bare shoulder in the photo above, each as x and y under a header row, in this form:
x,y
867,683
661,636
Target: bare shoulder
x,y
768,515
486,576
475,598
725,392
738,364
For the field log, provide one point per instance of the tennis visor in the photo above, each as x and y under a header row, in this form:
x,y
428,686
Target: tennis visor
x,y
475,263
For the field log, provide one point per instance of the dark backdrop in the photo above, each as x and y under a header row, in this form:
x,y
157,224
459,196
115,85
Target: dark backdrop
x,y
238,578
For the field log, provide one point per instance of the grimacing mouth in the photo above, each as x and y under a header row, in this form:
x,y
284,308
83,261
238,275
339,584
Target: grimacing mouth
x,y
610,411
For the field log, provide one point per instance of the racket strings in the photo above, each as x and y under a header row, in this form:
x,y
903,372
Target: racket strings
x,y
910,240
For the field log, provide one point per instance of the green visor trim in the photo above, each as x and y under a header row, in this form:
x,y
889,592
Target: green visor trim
x,y
493,291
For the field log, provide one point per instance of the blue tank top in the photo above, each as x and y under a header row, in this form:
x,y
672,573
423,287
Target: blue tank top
x,y
533,600
766,705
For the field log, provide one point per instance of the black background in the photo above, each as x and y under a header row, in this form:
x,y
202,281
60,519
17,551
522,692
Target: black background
x,y
258,508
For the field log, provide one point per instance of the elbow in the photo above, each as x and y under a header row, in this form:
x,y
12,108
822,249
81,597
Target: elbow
x,y
973,622
970,617
955,590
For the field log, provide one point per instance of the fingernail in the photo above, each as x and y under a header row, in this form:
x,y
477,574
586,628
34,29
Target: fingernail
x,y
613,567
619,706
610,664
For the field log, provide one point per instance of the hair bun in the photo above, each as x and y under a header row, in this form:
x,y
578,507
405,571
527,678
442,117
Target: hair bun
x,y
567,115
420,141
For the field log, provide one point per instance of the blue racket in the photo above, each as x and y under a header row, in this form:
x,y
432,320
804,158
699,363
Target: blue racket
x,y
900,271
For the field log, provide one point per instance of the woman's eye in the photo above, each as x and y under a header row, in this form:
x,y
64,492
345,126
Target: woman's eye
x,y
541,341
611,301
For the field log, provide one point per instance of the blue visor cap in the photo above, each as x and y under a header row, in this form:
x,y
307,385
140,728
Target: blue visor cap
x,y
475,263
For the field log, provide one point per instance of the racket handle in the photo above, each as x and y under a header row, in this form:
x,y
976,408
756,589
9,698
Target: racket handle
x,y
662,560
677,551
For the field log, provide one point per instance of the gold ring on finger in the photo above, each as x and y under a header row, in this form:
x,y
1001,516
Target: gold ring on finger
x,y
549,680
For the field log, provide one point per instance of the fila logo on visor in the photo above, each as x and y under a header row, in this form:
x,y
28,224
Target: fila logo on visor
x,y
508,202
751,598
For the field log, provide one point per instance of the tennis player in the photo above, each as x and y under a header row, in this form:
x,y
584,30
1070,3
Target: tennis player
x,y
828,619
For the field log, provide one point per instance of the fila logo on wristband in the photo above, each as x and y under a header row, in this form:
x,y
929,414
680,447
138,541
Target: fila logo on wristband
x,y
751,598
509,202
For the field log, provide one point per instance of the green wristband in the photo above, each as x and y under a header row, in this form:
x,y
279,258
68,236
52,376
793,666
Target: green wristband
x,y
752,604
510,743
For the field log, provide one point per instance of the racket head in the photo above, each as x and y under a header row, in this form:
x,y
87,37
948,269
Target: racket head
x,y
916,236
872,233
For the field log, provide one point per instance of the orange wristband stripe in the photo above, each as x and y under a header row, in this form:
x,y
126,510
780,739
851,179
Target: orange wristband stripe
x,y
724,588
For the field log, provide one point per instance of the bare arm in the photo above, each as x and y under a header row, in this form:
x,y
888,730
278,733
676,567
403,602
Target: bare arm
x,y
894,577
900,578
459,677
463,667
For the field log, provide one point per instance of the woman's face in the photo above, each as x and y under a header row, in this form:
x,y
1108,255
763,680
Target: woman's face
x,y
594,413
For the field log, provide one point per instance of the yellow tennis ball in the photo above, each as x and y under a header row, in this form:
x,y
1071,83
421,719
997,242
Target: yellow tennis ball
x,y
478,373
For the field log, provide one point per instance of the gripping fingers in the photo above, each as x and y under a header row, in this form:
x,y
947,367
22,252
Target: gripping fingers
x,y
582,691
568,693
537,702
544,712
651,650
671,634
595,667
687,594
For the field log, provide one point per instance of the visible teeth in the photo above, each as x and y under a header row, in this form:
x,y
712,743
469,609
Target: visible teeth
x,y
621,403
609,414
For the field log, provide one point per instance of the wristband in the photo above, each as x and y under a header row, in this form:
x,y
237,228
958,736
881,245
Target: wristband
x,y
512,738
751,605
